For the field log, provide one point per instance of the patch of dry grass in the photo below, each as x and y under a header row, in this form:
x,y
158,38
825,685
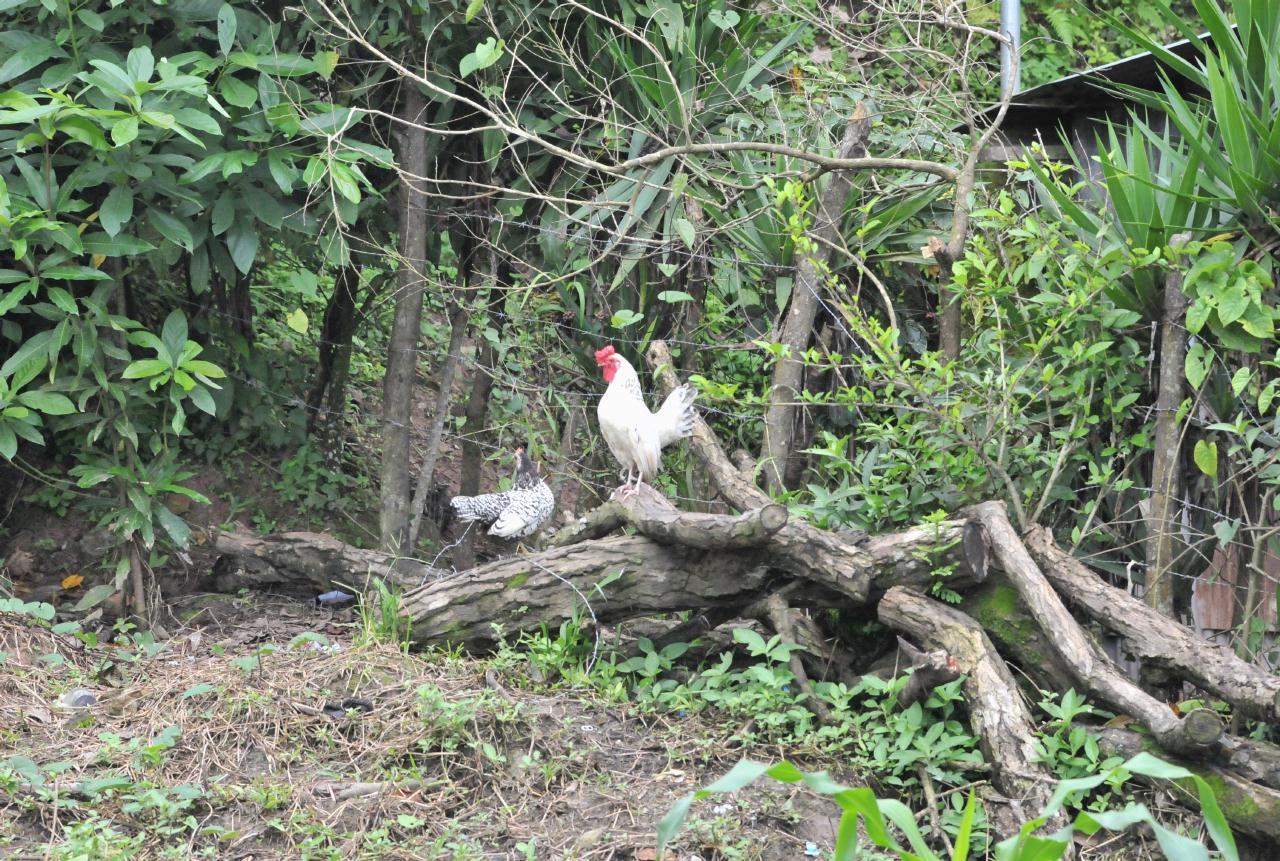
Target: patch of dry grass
x,y
219,746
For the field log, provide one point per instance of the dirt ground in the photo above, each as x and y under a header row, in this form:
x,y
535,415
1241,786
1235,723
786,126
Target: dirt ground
x,y
435,756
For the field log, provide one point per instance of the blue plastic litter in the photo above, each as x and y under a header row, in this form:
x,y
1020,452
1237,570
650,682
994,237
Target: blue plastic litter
x,y
334,597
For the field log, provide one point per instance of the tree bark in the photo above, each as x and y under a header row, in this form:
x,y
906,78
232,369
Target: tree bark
x,y
1196,733
1156,638
653,515
426,475
525,592
1251,809
999,718
320,561
478,401
327,399
402,350
996,606
798,326
1166,456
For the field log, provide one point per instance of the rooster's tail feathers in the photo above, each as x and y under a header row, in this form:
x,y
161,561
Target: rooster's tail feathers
x,y
675,419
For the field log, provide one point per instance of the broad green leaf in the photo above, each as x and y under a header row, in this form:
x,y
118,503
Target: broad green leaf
x,y
8,442
297,321
117,246
207,369
174,525
74,273
143,368
140,64
94,597
64,300
326,62
226,29
1206,457
171,228
1196,364
116,210
684,227
236,92
674,296
1240,380
1232,305
485,55
49,403
344,181
124,131
92,20
224,213
242,244
625,318
473,9
174,333
27,58
725,19
203,400
282,170
37,344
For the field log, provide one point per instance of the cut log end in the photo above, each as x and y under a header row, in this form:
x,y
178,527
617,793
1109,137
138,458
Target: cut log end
x,y
1203,727
773,517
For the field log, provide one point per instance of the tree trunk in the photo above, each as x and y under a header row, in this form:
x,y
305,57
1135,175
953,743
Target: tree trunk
x,y
1251,809
1165,459
426,476
402,350
478,401
327,399
797,327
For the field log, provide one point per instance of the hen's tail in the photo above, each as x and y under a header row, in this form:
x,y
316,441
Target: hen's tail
x,y
675,419
486,508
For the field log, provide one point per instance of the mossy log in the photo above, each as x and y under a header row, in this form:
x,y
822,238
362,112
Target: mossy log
x,y
1195,733
997,714
1251,809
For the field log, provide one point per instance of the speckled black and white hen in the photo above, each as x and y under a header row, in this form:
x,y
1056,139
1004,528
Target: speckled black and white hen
x,y
515,513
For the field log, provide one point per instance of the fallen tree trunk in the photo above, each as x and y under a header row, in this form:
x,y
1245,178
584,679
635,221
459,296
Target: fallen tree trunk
x,y
999,719
1195,733
680,561
610,579
1156,638
654,516
320,561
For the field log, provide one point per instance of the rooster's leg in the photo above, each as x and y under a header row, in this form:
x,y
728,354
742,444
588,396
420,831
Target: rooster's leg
x,y
627,488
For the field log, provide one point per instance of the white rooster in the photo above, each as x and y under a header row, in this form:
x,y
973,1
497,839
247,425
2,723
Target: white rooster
x,y
636,436
515,513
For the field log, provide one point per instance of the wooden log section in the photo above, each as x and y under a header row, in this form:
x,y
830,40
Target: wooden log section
x,y
1194,734
1251,809
1155,638
524,592
997,714
321,561
654,516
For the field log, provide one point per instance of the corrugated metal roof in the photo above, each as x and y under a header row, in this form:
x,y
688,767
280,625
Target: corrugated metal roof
x,y
1140,70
